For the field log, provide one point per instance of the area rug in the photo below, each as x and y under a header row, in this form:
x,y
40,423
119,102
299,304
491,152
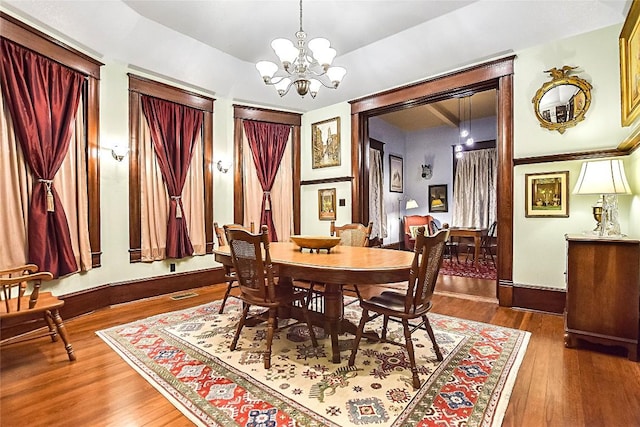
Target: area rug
x,y
467,269
185,355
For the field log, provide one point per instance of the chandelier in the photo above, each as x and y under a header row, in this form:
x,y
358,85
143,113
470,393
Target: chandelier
x,y
307,70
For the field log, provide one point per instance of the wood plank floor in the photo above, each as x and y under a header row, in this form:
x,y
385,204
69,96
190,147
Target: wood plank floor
x,y
555,386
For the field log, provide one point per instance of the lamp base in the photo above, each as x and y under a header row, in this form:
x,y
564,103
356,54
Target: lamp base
x,y
609,224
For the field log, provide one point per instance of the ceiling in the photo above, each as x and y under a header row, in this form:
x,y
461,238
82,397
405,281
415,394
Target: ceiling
x,y
211,46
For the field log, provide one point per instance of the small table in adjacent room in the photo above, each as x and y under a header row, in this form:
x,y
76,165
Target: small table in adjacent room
x,y
475,233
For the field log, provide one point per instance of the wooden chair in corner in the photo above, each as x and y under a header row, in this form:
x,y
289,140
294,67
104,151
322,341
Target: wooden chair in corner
x,y
18,306
414,303
229,274
254,273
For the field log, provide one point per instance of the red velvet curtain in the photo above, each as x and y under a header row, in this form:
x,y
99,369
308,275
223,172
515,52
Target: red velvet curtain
x,y
43,97
267,142
174,129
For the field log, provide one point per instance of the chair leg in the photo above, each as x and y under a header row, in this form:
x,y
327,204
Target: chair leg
x,y
62,331
385,322
52,329
245,312
412,356
436,347
226,295
356,341
312,334
270,330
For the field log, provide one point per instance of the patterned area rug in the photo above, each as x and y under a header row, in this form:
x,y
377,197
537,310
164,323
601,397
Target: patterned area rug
x,y
485,270
185,355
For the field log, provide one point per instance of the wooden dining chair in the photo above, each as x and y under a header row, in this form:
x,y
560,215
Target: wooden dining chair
x,y
254,273
414,303
488,245
18,306
229,274
354,234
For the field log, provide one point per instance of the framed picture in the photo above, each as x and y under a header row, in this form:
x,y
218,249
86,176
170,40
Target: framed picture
x,y
325,140
547,194
395,174
630,65
327,204
438,201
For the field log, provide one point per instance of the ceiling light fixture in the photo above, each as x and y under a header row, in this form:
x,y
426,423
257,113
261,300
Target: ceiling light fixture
x,y
305,69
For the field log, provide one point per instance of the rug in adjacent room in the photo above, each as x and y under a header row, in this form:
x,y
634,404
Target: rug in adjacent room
x,y
185,355
484,270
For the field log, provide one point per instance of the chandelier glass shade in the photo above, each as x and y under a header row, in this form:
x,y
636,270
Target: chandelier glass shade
x,y
307,66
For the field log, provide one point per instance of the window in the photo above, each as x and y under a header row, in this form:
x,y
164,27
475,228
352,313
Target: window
x,y
87,123
139,158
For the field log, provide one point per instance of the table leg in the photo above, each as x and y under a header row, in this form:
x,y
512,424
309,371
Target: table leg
x,y
333,311
476,250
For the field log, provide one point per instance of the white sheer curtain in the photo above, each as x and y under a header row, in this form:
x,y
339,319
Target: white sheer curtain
x,y
281,193
474,193
377,212
16,183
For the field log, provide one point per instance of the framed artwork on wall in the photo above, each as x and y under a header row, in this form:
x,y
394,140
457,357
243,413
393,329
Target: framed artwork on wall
x,y
547,194
629,44
438,201
327,204
396,183
325,141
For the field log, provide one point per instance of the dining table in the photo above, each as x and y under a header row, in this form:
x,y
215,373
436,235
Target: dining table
x,y
343,265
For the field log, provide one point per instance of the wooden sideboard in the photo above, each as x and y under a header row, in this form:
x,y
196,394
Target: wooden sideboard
x,y
603,292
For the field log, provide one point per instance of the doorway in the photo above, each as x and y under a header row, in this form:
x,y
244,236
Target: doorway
x,y
496,75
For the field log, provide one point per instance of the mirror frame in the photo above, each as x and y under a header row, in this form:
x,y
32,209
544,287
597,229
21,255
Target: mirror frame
x,y
561,77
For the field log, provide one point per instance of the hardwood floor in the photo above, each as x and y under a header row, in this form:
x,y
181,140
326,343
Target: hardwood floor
x,y
555,386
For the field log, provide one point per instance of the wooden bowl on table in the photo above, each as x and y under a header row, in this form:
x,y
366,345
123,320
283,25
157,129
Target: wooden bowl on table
x,y
315,242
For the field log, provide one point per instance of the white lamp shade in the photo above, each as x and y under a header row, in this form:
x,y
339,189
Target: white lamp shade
x,y
411,204
266,68
602,177
336,74
322,51
314,85
285,50
283,84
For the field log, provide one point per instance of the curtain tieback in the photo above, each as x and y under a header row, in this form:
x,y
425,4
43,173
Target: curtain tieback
x,y
266,196
178,208
48,183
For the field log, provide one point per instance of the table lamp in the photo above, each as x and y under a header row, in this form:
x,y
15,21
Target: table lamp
x,y
605,178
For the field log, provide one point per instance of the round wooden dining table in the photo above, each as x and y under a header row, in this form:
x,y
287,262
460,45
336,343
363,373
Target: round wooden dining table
x,y
343,265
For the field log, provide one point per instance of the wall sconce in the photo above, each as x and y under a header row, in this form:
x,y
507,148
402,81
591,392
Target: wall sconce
x,y
605,178
427,172
223,166
119,152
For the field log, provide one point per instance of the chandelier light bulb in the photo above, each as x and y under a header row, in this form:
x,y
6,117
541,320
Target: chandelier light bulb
x,y
464,133
459,155
469,141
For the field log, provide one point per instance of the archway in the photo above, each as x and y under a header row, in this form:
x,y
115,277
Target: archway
x,y
492,75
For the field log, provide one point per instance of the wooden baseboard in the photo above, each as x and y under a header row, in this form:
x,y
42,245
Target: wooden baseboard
x,y
86,301
548,300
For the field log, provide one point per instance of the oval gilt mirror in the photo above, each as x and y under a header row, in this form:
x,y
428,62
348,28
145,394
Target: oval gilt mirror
x,y
562,102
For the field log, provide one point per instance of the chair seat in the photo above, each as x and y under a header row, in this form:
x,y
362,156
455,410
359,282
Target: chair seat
x,y
283,296
393,303
45,302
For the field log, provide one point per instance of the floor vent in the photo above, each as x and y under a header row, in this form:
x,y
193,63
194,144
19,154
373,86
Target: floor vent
x,y
184,296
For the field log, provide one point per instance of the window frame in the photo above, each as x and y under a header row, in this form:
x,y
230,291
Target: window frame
x,y
142,86
45,45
